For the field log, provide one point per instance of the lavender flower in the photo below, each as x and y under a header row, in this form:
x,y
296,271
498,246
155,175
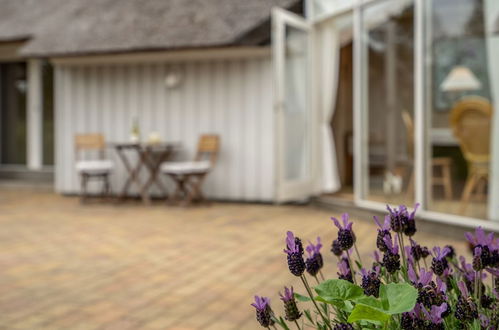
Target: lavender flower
x,y
480,238
346,237
469,274
401,221
290,308
383,231
484,321
344,271
296,264
314,261
439,263
489,253
391,258
371,281
427,293
466,309
478,262
336,248
264,313
451,252
435,316
410,226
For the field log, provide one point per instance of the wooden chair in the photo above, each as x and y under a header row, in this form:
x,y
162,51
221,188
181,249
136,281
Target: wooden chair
x,y
441,165
189,176
99,169
470,121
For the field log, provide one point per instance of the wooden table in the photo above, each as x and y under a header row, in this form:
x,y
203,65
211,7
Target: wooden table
x,y
150,156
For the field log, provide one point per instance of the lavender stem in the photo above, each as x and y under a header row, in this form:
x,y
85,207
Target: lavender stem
x,y
307,287
358,254
351,267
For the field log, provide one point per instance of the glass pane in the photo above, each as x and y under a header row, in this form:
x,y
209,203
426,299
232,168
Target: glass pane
x,y
13,88
388,83
459,105
296,115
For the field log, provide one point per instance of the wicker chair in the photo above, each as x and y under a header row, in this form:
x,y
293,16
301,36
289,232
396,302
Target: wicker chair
x,y
470,121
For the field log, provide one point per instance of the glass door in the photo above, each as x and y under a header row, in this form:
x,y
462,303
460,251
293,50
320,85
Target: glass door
x,y
387,97
294,117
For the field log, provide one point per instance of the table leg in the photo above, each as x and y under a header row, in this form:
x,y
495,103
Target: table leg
x,y
132,172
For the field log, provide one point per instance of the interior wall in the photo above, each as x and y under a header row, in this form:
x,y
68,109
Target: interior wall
x,y
342,123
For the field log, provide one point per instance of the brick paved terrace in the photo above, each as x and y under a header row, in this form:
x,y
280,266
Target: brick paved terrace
x,y
64,265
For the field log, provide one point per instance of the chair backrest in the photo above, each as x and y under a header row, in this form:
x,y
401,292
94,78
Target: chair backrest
x,y
470,121
88,142
208,147
409,128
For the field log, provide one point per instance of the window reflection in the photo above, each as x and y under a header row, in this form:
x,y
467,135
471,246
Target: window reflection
x,y
389,48
459,101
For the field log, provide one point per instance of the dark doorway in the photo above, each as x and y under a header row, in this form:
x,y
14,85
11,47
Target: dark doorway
x,y
13,88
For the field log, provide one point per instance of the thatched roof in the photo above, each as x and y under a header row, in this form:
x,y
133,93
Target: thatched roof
x,y
76,27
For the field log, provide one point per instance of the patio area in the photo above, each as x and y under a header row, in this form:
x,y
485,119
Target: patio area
x,y
64,265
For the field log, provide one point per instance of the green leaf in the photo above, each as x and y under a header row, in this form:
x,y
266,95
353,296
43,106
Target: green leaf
x,y
300,297
367,313
398,298
308,316
369,301
338,290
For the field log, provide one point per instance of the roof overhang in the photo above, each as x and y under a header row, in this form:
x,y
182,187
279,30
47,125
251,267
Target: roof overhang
x,y
165,56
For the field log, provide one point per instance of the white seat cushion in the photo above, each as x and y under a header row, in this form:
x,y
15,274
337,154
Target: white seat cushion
x,y
94,166
186,167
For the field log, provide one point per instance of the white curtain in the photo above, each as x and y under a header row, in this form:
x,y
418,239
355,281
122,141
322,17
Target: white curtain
x,y
328,46
491,13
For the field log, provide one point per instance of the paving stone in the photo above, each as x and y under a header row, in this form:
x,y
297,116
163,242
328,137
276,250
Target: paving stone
x,y
64,265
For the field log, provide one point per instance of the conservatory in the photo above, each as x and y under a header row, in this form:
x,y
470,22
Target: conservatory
x,y
390,102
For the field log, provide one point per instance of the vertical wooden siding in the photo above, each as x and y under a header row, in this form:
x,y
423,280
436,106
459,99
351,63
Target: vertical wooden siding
x,y
230,97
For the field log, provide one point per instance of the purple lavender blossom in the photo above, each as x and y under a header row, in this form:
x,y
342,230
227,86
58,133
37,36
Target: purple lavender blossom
x,y
478,263
439,263
401,221
314,248
435,315
344,271
424,276
480,238
391,258
427,295
290,307
484,321
410,226
296,264
314,262
371,281
336,248
264,313
466,309
346,236
383,231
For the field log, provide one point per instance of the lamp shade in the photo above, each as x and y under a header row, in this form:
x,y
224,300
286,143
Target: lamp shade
x,y
460,79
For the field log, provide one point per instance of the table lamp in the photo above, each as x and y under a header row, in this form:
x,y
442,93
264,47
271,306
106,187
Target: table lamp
x,y
460,79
